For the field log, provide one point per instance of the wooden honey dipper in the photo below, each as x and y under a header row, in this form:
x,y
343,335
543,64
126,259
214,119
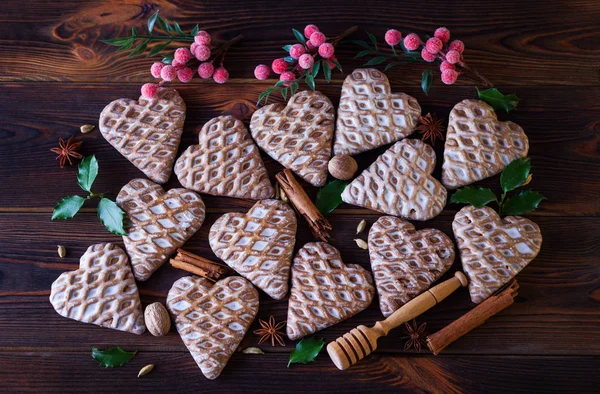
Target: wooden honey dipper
x,y
353,346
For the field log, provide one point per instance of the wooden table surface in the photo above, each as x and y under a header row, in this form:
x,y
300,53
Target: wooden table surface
x,y
56,75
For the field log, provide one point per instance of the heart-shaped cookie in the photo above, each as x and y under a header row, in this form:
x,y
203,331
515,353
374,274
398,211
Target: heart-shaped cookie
x,y
226,162
212,319
102,291
493,250
405,261
161,222
399,183
147,132
370,115
298,135
478,145
325,291
258,245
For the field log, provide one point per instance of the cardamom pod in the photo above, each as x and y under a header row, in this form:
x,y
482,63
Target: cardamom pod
x,y
62,251
283,196
252,350
361,243
146,370
86,128
361,226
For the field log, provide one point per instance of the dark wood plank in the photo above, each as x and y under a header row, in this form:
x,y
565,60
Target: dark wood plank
x,y
558,297
517,43
68,371
563,146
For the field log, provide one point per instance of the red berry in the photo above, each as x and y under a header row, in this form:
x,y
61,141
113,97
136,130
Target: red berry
x,y
149,90
326,50
177,64
412,42
155,69
279,65
221,75
262,72
185,74
182,55
168,73
310,46
393,37
457,45
193,47
306,61
202,38
288,77
206,70
202,52
309,30
297,50
449,77
428,56
443,34
317,38
453,56
434,45
446,66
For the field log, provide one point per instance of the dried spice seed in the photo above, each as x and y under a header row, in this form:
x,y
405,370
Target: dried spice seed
x,y
86,128
252,350
66,151
431,127
361,243
62,251
416,336
146,370
361,226
270,330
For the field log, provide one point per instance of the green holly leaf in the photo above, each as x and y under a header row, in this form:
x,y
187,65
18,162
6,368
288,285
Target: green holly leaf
x,y
327,72
87,172
376,60
67,207
299,36
498,100
152,21
426,80
111,216
115,357
306,350
524,202
515,174
476,196
330,196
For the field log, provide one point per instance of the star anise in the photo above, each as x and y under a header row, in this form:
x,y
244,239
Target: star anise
x,y
430,127
270,330
66,150
416,336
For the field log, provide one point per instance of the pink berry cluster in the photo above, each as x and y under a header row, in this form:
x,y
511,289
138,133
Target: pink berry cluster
x,y
439,47
301,57
184,65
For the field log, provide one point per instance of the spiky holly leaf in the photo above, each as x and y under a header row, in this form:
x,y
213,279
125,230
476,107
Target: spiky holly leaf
x,y
110,358
426,80
498,100
67,207
476,196
87,172
330,196
515,174
521,203
306,350
111,216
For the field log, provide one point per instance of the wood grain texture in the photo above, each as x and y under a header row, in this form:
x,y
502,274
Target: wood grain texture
x,y
56,75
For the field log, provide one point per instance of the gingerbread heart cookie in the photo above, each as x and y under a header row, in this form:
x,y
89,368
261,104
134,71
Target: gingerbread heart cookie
x,y
478,145
226,162
493,250
399,183
161,223
147,132
258,245
102,291
370,115
212,319
325,291
405,261
298,135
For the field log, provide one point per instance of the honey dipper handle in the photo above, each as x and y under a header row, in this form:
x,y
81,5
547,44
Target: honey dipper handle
x,y
421,303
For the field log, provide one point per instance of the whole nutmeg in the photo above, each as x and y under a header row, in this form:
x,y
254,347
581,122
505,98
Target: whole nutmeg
x,y
342,167
157,319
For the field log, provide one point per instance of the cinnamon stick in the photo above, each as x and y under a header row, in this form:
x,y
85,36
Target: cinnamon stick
x,y
200,266
319,226
472,319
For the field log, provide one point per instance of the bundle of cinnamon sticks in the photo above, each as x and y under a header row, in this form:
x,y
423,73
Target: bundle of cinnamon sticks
x,y
200,266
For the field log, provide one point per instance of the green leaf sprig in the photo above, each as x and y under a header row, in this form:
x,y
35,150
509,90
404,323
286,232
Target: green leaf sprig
x,y
110,358
307,76
306,350
330,196
516,174
393,57
497,100
111,216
